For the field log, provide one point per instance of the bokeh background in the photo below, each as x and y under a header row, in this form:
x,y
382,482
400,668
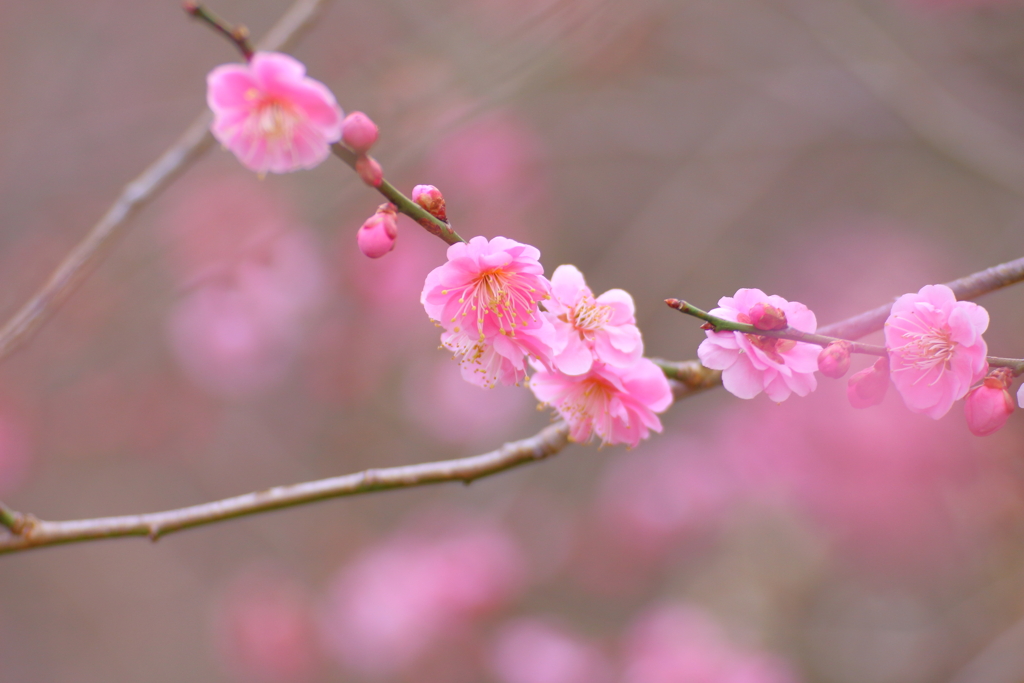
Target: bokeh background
x,y
836,152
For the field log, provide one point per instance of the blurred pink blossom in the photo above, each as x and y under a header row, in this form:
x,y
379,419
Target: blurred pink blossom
x,y
936,351
672,644
471,416
530,650
270,115
620,405
359,132
398,600
589,329
265,631
485,297
869,386
238,333
751,363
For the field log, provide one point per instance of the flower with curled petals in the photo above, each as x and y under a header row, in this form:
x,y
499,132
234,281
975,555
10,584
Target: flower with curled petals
x,y
753,363
617,404
591,329
270,115
486,298
936,351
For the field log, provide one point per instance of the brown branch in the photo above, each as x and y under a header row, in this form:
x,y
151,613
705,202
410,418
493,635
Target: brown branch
x,y
189,146
688,378
35,533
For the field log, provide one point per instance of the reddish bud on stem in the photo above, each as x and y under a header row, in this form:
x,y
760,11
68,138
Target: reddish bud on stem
x,y
867,388
369,170
834,359
377,235
359,132
767,317
988,406
432,201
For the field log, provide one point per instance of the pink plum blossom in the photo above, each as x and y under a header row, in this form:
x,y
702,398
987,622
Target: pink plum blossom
x,y
265,631
402,598
270,115
486,299
750,363
536,651
988,406
589,329
617,404
673,643
936,350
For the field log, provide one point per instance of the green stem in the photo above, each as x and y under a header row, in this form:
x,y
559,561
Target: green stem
x,y
10,519
435,226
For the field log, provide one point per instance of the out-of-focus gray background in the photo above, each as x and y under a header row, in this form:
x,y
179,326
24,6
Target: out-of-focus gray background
x,y
835,152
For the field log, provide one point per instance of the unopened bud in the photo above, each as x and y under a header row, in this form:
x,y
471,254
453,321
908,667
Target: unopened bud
x,y
867,388
767,317
358,132
834,359
432,201
377,235
369,170
988,406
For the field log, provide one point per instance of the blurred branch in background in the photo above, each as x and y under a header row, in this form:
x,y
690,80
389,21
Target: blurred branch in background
x,y
187,148
941,119
28,532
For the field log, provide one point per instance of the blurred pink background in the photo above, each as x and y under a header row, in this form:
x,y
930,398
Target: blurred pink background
x,y
836,152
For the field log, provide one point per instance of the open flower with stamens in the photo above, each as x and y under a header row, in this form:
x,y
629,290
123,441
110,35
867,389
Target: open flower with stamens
x,y
936,352
270,115
617,404
486,300
753,363
590,328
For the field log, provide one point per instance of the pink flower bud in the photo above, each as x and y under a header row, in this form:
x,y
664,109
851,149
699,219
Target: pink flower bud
x,y
867,388
431,199
377,235
358,132
834,359
988,406
767,317
369,170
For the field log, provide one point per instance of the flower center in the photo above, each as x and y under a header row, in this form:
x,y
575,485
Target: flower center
x,y
927,349
501,293
275,120
772,347
588,315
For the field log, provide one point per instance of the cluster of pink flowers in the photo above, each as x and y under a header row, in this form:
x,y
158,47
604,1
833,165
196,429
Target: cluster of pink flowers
x,y
587,351
935,356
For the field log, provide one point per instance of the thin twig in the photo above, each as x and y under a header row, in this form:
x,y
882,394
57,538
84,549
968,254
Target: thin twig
x,y
37,533
239,35
435,226
189,146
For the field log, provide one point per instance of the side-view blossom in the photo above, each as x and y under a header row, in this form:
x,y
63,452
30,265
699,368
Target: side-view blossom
x,y
752,363
486,298
589,328
988,406
270,115
868,387
617,404
936,351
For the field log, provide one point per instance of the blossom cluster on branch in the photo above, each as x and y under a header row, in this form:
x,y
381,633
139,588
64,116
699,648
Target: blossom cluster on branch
x,y
934,354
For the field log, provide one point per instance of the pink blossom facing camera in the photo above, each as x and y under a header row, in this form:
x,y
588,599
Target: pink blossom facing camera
x,y
530,650
486,298
936,351
751,363
620,405
271,115
590,329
